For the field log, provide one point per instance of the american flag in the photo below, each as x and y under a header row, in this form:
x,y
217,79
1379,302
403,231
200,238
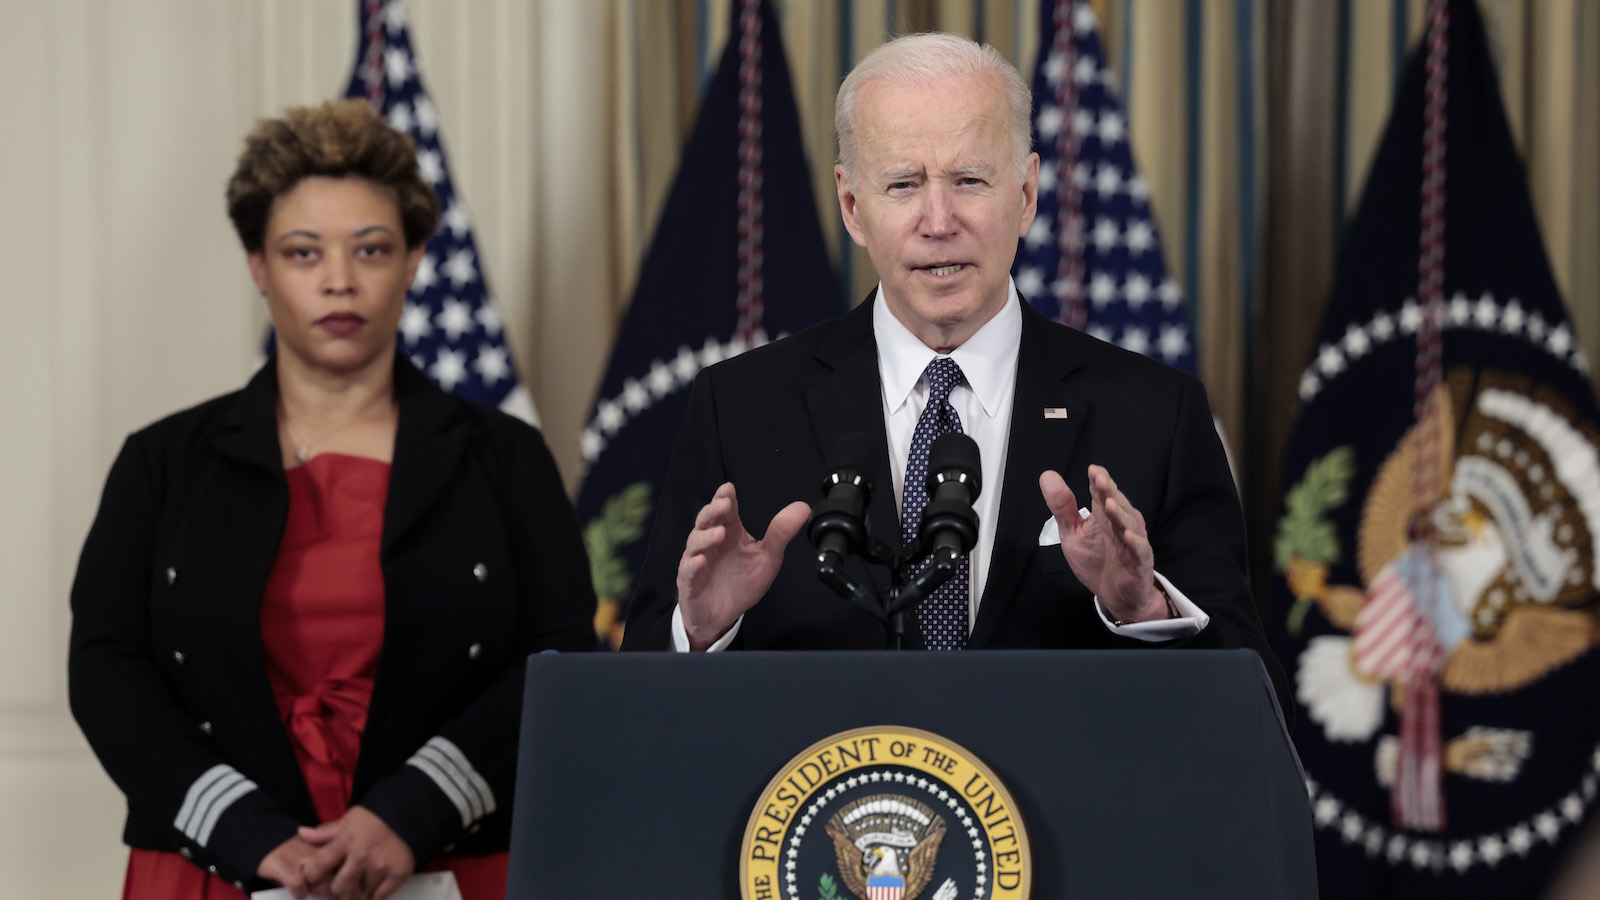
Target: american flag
x,y
450,327
1395,637
1092,258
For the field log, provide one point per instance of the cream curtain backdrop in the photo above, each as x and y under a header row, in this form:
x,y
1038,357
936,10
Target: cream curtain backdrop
x,y
127,297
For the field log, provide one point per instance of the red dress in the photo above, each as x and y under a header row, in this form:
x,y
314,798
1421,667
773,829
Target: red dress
x,y
322,633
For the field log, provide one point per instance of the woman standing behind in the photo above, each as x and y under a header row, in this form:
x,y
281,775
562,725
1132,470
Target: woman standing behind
x,y
308,603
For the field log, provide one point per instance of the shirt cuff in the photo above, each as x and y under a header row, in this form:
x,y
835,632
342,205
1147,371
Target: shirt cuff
x,y
1191,619
680,634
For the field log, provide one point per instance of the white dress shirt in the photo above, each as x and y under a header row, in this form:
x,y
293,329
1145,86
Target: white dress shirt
x,y
988,360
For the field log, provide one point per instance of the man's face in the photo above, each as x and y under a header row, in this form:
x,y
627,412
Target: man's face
x,y
938,202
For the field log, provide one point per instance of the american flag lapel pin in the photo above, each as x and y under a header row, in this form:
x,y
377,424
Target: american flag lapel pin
x,y
1055,412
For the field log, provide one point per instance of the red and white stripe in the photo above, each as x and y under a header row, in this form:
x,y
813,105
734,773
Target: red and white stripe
x,y
750,303
885,893
1394,640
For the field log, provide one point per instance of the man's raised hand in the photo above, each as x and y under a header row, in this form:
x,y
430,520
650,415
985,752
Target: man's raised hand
x,y
724,570
1110,550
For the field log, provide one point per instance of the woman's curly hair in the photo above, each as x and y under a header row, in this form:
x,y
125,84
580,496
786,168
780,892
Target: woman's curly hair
x,y
340,138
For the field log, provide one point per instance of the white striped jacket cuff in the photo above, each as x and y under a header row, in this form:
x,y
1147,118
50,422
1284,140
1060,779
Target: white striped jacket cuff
x,y
208,798
442,761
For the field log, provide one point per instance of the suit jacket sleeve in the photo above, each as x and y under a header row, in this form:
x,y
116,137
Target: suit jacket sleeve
x,y
123,689
466,772
693,475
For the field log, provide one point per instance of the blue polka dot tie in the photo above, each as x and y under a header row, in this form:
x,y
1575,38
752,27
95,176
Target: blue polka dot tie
x,y
942,614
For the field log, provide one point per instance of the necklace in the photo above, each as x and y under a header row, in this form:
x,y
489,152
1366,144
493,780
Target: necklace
x,y
303,450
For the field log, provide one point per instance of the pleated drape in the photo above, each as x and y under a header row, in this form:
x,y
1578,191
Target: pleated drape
x,y
1254,123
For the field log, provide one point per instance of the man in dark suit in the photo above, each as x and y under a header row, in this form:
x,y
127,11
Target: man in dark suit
x,y
936,181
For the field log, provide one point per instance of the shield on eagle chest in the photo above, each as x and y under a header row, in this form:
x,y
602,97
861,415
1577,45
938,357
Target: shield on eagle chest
x,y
885,887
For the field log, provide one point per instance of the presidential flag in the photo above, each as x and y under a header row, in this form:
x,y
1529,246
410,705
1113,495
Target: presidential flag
x,y
1436,554
737,259
450,327
1092,258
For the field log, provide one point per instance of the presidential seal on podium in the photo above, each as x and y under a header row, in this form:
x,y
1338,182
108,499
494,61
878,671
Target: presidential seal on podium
x,y
885,813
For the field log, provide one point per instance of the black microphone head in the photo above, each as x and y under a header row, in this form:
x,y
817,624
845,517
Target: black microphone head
x,y
853,450
838,522
954,456
852,460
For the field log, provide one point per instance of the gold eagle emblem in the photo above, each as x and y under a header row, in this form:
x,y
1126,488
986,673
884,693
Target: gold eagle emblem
x,y
886,835
1508,554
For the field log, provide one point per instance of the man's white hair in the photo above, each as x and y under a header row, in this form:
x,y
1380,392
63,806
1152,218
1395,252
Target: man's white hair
x,y
929,59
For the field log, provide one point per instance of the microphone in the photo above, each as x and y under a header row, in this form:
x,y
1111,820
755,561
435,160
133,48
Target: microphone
x,y
838,524
949,525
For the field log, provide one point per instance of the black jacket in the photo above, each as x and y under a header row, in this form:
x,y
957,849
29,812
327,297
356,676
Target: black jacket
x,y
483,564
766,420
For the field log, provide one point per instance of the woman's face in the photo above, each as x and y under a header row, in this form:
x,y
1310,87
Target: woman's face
x,y
334,268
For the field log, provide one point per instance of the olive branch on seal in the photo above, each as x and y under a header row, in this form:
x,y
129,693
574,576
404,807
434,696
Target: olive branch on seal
x,y
620,523
1305,536
827,888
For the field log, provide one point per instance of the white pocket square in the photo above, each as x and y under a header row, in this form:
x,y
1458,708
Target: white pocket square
x,y
1050,534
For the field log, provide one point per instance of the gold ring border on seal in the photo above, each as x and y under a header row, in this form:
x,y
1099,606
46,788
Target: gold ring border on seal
x,y
1025,890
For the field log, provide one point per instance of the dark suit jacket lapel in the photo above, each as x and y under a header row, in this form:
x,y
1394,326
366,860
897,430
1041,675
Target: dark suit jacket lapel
x,y
428,445
1044,367
848,397
247,435
248,431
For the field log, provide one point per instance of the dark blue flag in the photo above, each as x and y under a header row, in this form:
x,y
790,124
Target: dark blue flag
x,y
737,257
1436,557
450,328
1092,258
